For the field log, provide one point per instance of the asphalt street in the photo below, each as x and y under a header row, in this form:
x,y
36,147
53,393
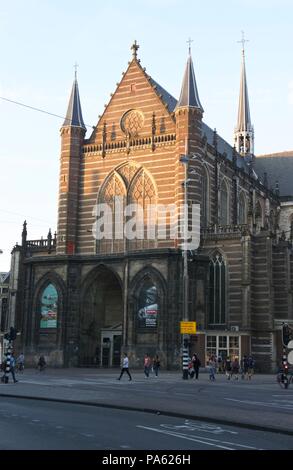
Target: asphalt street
x,y
259,404
41,425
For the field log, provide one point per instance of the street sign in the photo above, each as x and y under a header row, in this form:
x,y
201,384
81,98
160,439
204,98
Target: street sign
x,y
188,327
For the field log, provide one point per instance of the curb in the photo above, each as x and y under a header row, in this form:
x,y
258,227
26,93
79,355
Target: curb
x,y
227,422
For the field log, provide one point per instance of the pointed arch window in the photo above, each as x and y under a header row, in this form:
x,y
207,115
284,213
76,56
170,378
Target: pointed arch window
x,y
217,290
142,194
224,204
258,215
242,210
112,194
49,307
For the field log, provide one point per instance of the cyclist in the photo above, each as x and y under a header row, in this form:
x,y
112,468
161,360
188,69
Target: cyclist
x,y
20,363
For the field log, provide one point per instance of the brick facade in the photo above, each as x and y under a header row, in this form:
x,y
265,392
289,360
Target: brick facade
x,y
99,285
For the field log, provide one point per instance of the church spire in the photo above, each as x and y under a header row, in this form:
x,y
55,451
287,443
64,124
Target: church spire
x,y
74,114
244,134
189,94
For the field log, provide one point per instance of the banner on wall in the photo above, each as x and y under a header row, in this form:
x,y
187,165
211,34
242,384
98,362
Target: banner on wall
x,y
148,307
49,305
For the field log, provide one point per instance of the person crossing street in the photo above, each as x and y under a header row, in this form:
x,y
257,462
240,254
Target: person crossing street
x,y
125,367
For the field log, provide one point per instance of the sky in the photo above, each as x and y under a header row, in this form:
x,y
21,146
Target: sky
x,y
41,40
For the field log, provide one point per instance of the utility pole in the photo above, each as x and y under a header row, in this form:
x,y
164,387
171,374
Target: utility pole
x,y
185,338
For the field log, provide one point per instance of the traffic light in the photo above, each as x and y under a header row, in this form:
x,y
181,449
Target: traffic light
x,y
13,333
286,334
11,336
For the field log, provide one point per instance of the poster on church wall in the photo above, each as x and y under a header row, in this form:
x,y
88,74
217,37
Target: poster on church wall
x,y
148,307
49,306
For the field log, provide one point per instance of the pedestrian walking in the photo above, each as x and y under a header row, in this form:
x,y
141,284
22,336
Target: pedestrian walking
x,y
196,365
250,367
147,365
156,365
244,367
212,368
12,367
228,368
220,364
42,363
125,367
235,368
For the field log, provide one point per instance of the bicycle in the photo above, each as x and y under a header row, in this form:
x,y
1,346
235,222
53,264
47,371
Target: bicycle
x,y
284,379
19,367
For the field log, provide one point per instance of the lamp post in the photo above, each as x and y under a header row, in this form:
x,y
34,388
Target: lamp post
x,y
185,337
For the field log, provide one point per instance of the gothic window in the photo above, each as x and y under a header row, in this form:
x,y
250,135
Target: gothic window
x,y
205,197
217,290
242,210
258,216
110,237
49,307
224,204
142,221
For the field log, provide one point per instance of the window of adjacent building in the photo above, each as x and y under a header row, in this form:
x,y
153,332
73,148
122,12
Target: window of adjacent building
x,y
234,346
222,345
211,348
217,290
224,205
49,307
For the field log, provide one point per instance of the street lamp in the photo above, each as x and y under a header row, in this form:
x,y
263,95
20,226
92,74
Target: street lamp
x,y
185,159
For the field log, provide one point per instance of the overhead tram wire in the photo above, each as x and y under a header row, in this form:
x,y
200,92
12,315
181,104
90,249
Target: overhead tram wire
x,y
39,110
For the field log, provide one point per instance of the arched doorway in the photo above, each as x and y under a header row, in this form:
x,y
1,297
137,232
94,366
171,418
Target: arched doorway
x,y
101,321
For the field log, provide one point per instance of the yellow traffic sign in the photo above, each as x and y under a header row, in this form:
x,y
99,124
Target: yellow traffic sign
x,y
188,327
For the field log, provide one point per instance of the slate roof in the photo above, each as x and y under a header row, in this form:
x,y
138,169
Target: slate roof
x,y
223,146
189,94
279,167
74,114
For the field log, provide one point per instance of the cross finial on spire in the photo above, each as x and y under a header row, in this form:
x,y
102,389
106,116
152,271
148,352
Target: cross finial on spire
x,y
189,45
243,41
75,70
134,49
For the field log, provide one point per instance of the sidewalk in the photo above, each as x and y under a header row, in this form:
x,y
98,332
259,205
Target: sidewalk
x,y
242,402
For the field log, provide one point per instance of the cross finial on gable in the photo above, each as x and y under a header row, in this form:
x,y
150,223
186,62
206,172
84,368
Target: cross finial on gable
x,y
134,49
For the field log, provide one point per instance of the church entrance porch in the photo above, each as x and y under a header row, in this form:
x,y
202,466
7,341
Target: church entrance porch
x,y
101,320
111,342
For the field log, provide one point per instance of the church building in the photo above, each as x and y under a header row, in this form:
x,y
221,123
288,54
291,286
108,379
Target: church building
x,y
82,300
